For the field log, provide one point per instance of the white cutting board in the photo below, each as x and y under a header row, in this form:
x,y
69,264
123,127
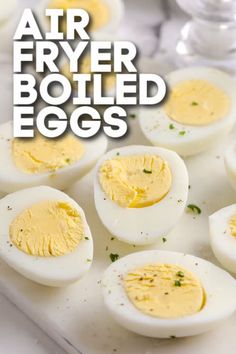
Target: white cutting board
x,y
76,317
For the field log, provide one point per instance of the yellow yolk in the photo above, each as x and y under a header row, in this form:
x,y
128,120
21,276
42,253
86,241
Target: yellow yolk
x,y
232,224
164,290
48,228
135,181
109,79
39,154
196,102
97,10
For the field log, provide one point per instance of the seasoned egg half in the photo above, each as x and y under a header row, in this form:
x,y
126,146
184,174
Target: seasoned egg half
x,y
230,164
40,161
44,236
200,109
140,192
167,294
223,236
105,15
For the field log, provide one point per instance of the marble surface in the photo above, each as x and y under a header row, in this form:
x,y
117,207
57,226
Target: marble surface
x,y
153,25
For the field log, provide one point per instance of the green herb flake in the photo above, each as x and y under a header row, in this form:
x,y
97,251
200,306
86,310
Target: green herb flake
x,y
194,103
147,171
68,160
86,238
194,208
172,337
182,132
117,154
177,283
171,126
89,260
180,274
164,239
114,257
132,116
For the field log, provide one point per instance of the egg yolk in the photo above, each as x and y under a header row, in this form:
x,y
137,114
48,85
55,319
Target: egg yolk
x,y
39,154
196,102
97,10
232,224
135,181
164,290
48,228
109,79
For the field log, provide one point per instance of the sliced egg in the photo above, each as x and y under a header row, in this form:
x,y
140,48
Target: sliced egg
x,y
140,192
199,110
223,236
105,15
44,236
167,294
230,164
39,161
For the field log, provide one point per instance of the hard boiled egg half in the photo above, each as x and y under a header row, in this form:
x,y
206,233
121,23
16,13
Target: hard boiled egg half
x,y
199,110
40,161
167,294
105,15
44,236
230,164
140,192
223,236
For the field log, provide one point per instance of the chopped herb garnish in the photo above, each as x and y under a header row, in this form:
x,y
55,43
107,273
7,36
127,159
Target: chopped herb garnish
x,y
177,283
67,160
89,260
182,132
164,239
171,126
86,238
166,293
194,103
180,274
114,257
117,154
194,208
132,115
172,337
106,248
147,171
112,238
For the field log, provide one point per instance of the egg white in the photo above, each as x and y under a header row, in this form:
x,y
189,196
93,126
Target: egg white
x,y
141,226
155,122
13,179
219,286
51,271
7,9
222,242
230,164
116,10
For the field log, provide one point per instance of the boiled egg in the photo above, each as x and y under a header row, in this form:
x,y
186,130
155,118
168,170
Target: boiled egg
x,y
44,236
105,15
140,192
223,236
199,110
167,294
41,161
230,164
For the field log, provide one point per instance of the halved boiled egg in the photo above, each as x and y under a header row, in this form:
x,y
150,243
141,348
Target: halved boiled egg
x,y
44,236
223,236
105,15
40,161
140,192
167,294
230,164
199,110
